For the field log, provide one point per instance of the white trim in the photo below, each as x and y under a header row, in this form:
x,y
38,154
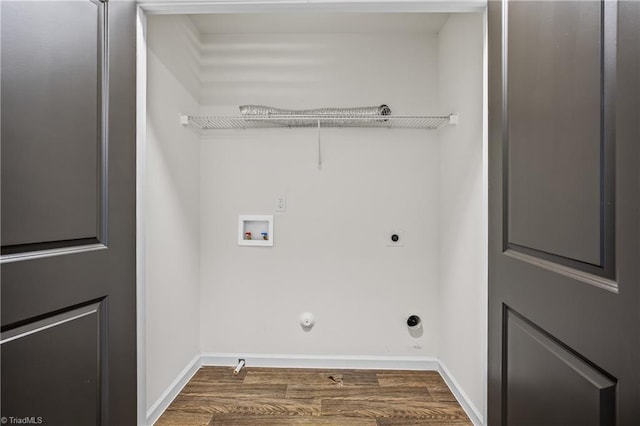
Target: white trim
x,y
322,361
141,153
156,7
162,403
463,399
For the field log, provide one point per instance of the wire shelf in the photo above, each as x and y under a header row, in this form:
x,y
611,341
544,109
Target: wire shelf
x,y
323,121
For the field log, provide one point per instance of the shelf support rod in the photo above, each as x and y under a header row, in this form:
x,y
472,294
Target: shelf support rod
x,y
319,148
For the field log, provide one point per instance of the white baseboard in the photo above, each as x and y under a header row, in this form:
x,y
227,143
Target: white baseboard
x,y
322,361
314,361
162,403
469,407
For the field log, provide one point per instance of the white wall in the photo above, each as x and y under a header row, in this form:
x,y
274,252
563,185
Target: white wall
x,y
462,239
172,206
330,255
316,70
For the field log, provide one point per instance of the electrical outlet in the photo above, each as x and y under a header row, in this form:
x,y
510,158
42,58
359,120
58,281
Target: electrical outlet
x,y
281,203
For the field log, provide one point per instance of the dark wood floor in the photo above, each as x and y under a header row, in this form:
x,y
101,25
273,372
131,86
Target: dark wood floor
x,y
278,396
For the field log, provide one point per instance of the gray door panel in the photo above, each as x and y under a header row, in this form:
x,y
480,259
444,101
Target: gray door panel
x,y
564,197
554,134
51,121
68,320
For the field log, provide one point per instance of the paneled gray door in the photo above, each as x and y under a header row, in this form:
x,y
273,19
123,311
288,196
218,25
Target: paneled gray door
x,y
564,179
68,213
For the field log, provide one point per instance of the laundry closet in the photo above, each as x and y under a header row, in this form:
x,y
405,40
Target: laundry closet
x,y
357,221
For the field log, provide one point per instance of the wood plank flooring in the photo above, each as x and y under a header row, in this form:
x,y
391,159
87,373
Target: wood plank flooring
x,y
282,396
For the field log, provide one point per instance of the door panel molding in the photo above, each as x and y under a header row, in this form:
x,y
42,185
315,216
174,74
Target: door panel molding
x,y
564,383
35,250
103,96
605,266
41,254
58,360
585,277
49,321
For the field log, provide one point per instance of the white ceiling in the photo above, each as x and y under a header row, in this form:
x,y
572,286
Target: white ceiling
x,y
309,23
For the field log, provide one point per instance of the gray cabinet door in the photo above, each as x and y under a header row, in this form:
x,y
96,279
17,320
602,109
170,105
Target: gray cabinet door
x,y
68,213
564,203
